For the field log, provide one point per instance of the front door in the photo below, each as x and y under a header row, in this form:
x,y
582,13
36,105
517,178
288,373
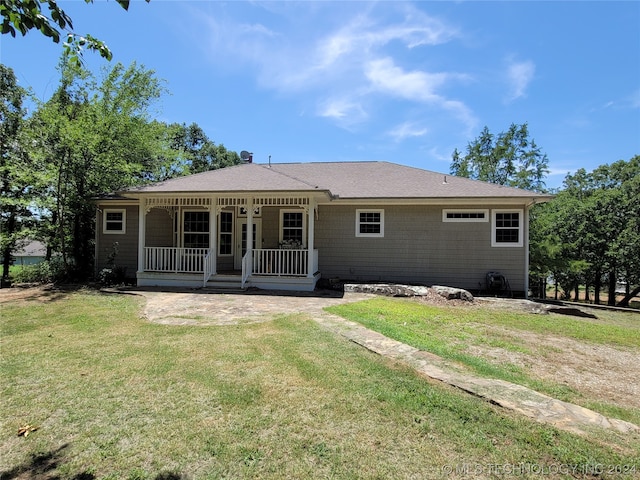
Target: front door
x,y
241,245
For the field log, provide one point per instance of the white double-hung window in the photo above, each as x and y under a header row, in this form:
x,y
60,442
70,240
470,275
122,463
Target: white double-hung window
x,y
369,223
292,228
507,228
195,233
114,221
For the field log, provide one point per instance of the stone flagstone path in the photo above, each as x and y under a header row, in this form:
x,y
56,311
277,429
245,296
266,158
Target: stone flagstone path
x,y
541,408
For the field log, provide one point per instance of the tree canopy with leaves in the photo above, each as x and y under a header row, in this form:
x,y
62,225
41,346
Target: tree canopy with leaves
x,y
92,137
26,15
590,232
510,158
17,172
197,151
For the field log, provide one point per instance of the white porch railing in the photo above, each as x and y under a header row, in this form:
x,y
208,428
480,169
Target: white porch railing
x,y
246,271
176,260
279,262
272,262
209,266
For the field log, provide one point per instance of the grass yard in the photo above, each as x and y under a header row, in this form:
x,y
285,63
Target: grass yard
x,y
459,333
115,397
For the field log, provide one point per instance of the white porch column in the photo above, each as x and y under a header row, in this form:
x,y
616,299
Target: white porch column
x,y
213,234
249,224
142,227
310,234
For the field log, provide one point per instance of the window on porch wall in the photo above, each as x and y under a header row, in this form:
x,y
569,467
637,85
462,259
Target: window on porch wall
x,y
225,234
195,233
291,227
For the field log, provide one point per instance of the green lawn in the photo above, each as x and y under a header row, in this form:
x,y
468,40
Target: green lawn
x,y
116,397
450,331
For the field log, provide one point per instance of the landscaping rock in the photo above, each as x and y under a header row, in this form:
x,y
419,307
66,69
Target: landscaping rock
x,y
451,293
387,289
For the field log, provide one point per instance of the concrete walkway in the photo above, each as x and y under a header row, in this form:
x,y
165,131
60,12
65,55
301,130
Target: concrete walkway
x,y
216,308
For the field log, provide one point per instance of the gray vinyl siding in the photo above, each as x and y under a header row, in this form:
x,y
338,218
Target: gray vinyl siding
x,y
127,247
418,247
270,227
159,228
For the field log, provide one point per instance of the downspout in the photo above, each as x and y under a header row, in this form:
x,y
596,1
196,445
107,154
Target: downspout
x,y
526,244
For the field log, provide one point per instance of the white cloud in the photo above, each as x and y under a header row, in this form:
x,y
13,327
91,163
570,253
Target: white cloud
x,y
346,112
519,76
363,35
354,56
407,130
385,76
418,86
630,101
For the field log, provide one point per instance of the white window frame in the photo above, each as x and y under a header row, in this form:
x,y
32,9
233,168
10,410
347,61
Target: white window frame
x,y
304,224
358,223
184,232
520,227
105,213
221,233
447,211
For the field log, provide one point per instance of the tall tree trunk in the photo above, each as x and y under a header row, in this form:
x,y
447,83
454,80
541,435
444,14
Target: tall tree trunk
x,y
612,288
586,293
9,230
597,285
576,291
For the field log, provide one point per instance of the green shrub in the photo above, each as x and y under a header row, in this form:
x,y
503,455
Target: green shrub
x,y
112,276
44,272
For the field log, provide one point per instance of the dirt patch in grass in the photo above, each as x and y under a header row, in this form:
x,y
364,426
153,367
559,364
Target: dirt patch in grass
x,y
607,373
41,293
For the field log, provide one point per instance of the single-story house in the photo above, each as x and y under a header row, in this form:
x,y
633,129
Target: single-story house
x,y
352,221
29,252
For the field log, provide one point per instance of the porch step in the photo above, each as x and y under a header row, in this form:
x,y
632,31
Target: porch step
x,y
226,282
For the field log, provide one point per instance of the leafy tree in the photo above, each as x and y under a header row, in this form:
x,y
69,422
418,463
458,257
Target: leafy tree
x,y
510,158
96,137
26,15
16,169
197,151
93,139
594,225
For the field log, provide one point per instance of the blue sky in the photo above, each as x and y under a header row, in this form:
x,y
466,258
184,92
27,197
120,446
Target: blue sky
x,y
405,82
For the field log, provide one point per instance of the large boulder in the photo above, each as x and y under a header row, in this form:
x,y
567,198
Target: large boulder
x,y
451,293
387,289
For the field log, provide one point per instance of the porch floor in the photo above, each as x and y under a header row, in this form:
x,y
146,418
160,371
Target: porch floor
x,y
231,279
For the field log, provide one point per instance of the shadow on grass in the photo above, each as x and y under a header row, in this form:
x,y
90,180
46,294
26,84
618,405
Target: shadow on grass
x,y
40,293
42,466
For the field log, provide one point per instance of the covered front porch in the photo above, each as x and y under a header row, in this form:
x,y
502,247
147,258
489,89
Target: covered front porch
x,y
203,242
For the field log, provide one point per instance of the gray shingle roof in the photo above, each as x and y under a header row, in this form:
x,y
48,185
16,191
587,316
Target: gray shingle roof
x,y
345,180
